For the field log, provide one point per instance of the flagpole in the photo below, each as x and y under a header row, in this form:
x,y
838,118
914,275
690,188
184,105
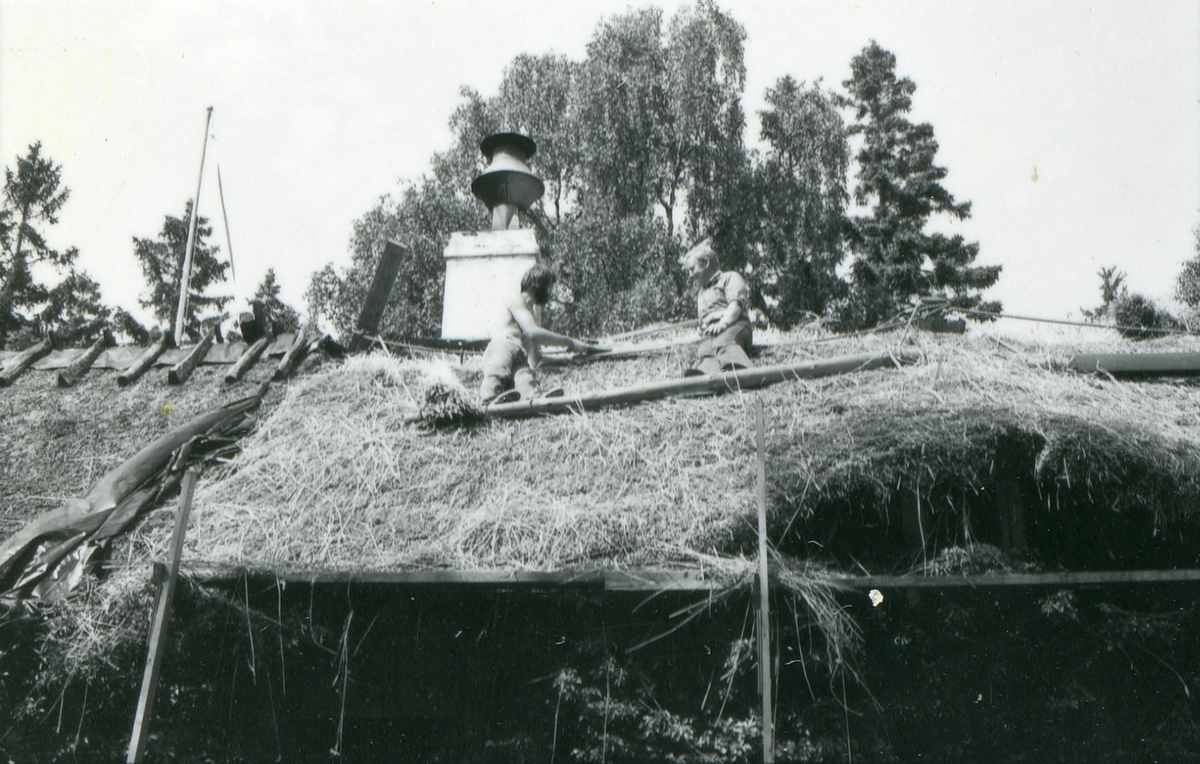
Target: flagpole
x,y
185,274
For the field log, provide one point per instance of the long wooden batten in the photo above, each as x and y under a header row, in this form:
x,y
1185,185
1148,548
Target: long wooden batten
x,y
745,379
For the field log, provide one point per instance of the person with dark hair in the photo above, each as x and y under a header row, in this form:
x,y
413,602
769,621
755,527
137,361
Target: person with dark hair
x,y
513,354
721,305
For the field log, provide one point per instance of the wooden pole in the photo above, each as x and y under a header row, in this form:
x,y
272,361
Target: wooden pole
x,y
650,330
619,352
377,294
655,580
134,372
17,366
744,379
185,273
764,601
248,359
70,376
158,627
179,373
1138,364
1056,578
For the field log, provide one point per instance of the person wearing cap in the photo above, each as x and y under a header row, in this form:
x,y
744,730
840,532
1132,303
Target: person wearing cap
x,y
721,305
513,354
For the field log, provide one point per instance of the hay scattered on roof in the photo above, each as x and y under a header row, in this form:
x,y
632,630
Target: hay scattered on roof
x,y
335,479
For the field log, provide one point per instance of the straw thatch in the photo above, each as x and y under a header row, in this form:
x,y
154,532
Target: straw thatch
x,y
336,480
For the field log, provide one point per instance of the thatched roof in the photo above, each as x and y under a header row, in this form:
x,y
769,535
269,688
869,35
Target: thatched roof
x,y
335,480
984,444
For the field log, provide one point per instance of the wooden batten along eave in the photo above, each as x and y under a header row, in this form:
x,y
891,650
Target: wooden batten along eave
x,y
657,580
597,578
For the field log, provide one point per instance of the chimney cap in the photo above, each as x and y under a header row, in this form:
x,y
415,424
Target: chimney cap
x,y
521,143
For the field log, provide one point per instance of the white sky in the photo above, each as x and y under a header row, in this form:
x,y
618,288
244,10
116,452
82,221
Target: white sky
x,y
322,107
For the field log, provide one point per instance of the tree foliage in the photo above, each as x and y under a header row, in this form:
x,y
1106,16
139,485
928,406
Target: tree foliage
x,y
801,188
641,149
615,273
422,219
1187,283
1112,289
899,181
30,306
161,260
284,318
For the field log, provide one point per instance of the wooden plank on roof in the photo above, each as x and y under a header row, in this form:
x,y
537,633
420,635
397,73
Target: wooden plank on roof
x,y
1137,364
159,624
732,381
377,295
294,355
73,373
179,373
655,580
16,366
147,359
247,359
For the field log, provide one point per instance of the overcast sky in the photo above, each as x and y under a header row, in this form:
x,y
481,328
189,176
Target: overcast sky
x,y
1072,127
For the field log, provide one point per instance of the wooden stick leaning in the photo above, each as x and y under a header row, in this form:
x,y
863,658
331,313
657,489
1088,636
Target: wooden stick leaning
x,y
377,294
764,598
158,628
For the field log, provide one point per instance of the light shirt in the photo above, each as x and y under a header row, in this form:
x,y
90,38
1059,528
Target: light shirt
x,y
723,288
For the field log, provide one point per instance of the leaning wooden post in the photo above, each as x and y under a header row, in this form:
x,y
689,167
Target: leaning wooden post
x,y
70,376
179,373
377,295
158,627
764,602
17,366
299,349
248,359
134,372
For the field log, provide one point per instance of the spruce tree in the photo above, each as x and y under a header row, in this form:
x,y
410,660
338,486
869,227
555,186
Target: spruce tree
x,y
900,182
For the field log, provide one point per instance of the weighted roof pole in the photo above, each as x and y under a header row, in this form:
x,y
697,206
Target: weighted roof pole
x,y
185,273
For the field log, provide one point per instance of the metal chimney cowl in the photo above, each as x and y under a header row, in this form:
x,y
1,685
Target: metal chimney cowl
x,y
484,269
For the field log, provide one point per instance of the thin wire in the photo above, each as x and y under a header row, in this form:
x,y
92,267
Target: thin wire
x,y
221,195
225,217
